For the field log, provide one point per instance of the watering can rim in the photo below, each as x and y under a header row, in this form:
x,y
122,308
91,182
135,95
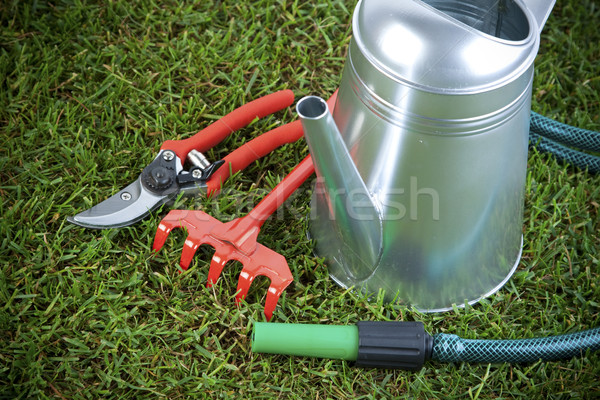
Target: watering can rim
x,y
415,44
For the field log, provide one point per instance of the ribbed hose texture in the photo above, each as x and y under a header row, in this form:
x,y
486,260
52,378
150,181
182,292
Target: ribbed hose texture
x,y
576,158
553,137
451,348
582,139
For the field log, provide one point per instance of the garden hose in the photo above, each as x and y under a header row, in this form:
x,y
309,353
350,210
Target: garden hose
x,y
406,345
451,348
553,137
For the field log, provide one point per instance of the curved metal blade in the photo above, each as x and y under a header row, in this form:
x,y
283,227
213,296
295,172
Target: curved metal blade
x,y
125,208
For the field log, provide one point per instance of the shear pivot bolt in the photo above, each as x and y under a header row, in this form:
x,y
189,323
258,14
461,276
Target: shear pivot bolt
x,y
168,155
159,178
125,196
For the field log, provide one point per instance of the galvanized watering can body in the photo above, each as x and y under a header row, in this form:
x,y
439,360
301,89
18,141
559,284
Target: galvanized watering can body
x,y
422,196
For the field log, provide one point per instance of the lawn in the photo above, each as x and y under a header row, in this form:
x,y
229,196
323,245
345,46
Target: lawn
x,y
90,90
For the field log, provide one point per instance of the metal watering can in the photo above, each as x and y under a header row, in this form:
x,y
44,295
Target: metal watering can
x,y
421,169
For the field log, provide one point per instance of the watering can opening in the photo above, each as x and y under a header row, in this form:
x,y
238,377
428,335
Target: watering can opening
x,y
503,19
312,108
458,46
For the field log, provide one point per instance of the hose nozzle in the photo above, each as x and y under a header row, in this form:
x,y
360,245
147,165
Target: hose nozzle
x,y
396,344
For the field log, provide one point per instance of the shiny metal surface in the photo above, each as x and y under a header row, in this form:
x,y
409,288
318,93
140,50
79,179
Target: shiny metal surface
x,y
433,108
444,46
540,10
118,211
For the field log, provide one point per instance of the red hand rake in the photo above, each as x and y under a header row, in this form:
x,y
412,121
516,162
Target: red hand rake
x,y
236,240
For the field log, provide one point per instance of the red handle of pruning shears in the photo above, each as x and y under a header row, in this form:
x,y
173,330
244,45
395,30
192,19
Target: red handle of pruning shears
x,y
253,150
240,117
257,148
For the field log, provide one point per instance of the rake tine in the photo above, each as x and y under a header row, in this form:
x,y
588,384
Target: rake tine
x,y
273,295
272,265
244,282
219,259
174,219
192,242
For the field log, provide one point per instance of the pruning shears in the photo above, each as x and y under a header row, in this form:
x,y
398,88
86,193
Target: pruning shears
x,y
165,177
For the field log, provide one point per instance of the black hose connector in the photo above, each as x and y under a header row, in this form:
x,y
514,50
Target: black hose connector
x,y
393,344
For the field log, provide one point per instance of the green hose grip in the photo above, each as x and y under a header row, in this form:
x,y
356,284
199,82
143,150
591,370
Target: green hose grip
x,y
324,341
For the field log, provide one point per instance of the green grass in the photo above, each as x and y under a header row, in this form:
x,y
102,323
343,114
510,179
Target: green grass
x,y
87,95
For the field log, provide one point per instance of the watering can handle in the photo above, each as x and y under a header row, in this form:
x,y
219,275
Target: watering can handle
x,y
540,10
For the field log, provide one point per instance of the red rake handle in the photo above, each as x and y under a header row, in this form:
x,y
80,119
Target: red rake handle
x,y
271,202
241,233
238,118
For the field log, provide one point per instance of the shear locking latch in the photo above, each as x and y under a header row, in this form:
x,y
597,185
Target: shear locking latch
x,y
200,172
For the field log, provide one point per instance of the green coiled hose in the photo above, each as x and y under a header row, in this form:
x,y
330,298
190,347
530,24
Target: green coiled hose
x,y
406,345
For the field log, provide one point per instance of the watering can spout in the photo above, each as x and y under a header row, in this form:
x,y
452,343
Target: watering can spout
x,y
349,202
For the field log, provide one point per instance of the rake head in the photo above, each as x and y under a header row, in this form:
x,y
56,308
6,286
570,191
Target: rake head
x,y
229,244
